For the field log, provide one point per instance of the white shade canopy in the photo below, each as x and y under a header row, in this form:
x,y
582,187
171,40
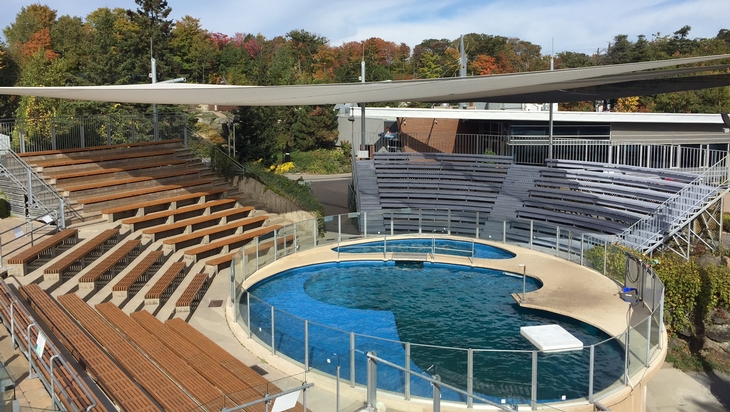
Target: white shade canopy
x,y
565,85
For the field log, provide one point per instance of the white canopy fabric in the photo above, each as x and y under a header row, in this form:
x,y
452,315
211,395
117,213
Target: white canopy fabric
x,y
539,87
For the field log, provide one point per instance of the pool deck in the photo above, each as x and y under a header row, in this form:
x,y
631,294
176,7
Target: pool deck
x,y
568,288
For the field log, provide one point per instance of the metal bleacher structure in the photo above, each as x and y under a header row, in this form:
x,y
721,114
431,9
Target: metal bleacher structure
x,y
641,208
142,227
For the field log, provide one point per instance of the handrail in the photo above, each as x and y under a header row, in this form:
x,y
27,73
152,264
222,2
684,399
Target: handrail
x,y
222,168
675,209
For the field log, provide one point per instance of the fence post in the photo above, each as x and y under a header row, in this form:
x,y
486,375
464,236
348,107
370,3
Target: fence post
x,y
12,327
248,313
582,242
61,214
448,222
185,137
533,390
532,228
83,138
591,371
436,394
605,256
372,380
29,186
29,348
365,224
108,132
557,240
53,391
476,235
420,221
273,344
22,140
504,231
407,383
315,231
352,359
306,345
469,377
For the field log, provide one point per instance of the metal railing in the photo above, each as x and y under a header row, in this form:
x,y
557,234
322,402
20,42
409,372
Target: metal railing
x,y
649,232
212,155
307,342
35,349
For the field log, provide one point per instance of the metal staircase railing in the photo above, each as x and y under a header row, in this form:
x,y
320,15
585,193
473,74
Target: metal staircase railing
x,y
218,160
41,196
649,232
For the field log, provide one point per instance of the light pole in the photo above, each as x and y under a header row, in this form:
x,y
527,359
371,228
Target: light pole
x,y
351,119
524,281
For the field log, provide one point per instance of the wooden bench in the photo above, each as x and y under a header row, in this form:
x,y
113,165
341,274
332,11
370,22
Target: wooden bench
x,y
158,190
100,186
186,226
237,387
142,208
105,270
226,244
98,148
174,243
76,259
141,273
105,371
47,248
84,174
165,391
188,378
67,389
166,284
193,293
171,216
41,165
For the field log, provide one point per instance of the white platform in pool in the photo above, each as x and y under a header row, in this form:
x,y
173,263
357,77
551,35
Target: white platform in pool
x,y
552,338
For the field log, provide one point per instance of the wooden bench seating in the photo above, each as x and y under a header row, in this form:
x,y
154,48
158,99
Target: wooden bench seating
x,y
41,165
192,293
203,236
141,273
46,249
128,194
213,265
110,377
101,186
174,215
572,220
82,175
166,284
143,208
239,390
225,245
98,148
165,391
76,259
221,357
192,225
67,389
191,381
104,271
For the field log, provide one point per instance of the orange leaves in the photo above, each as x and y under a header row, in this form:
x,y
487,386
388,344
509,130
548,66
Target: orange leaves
x,y
40,41
483,65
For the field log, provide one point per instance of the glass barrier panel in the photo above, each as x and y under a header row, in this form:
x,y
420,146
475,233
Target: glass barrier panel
x,y
304,233
249,259
615,264
655,337
265,251
503,375
289,335
260,320
608,365
638,346
349,226
450,364
563,375
329,347
242,311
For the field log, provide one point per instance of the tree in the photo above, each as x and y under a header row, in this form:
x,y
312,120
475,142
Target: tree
x,y
193,49
314,128
104,64
305,46
482,65
259,135
566,60
28,22
150,34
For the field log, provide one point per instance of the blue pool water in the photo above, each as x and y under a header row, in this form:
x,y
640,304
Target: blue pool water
x,y
431,304
441,246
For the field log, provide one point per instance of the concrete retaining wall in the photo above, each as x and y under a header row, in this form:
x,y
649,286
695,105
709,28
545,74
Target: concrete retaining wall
x,y
272,202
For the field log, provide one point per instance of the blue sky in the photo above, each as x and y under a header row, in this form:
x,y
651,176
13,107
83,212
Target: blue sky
x,y
573,25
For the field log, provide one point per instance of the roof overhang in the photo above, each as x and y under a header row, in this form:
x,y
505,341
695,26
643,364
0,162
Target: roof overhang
x,y
566,85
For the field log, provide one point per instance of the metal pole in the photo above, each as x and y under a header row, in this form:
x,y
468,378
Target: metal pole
x,y
306,345
605,256
533,392
470,377
524,280
248,313
185,137
273,345
337,386
436,394
591,370
53,391
532,228
552,105
557,241
362,105
372,380
582,243
648,338
477,229
407,383
504,231
30,350
12,327
352,359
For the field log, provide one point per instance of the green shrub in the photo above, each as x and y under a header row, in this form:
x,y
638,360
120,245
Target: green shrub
x,y
322,161
726,222
683,284
615,259
283,186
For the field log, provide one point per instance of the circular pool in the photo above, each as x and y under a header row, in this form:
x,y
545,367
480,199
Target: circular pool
x,y
441,311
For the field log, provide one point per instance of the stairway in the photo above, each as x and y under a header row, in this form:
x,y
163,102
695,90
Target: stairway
x,y
368,196
515,189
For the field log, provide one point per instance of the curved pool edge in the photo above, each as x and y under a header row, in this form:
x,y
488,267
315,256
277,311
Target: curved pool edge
x,y
568,289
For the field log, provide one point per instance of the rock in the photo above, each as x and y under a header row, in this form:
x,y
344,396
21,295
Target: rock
x,y
719,350
720,316
710,260
676,343
718,333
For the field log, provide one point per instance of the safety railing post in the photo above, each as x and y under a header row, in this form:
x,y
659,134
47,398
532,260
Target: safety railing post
x,y
420,221
582,244
648,338
53,136
248,313
314,230
372,376
352,359
448,222
532,231
476,231
436,394
557,240
53,391
13,343
591,371
407,383
605,256
470,377
306,345
273,331
504,231
533,390
29,350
